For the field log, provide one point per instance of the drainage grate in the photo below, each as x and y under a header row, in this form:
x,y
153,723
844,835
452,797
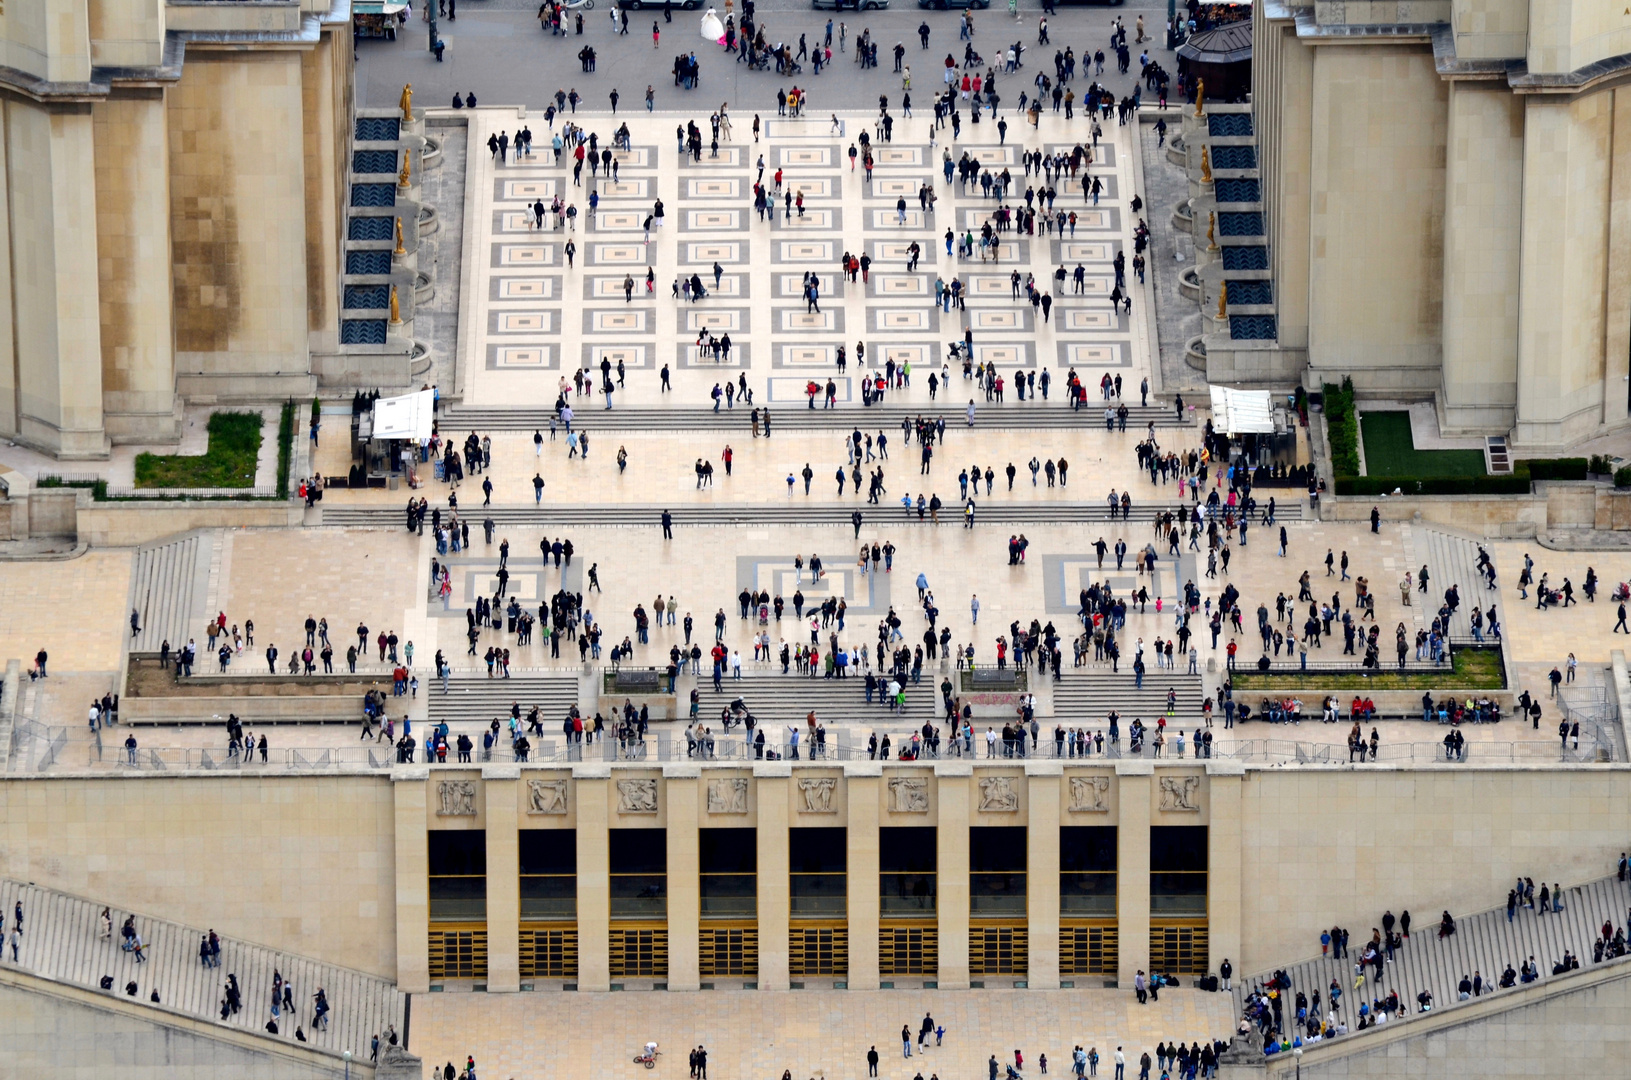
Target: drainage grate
x,y
374,161
378,128
372,228
362,331
382,195
1245,258
367,262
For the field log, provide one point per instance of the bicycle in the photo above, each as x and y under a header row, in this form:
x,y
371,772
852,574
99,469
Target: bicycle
x,y
648,1060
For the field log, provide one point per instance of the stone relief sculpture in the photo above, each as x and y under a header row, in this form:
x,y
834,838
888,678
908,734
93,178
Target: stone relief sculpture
x,y
637,796
1089,794
998,795
1178,793
909,795
546,796
728,796
815,794
457,798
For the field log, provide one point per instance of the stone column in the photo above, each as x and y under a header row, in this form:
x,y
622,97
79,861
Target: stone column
x,y
51,173
864,783
679,795
1225,900
1134,781
775,869
133,244
238,225
409,786
592,802
955,781
1043,780
500,782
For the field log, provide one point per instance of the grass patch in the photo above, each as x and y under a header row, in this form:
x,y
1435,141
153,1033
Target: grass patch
x,y
234,444
1471,669
1390,451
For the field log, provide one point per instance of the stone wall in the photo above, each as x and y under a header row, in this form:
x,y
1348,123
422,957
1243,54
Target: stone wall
x,y
57,1031
299,863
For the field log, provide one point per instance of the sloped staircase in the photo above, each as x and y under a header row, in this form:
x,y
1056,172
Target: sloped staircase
x,y
474,698
1087,698
62,940
169,590
1484,943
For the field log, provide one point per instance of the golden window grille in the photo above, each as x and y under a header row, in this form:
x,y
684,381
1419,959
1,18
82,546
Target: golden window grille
x,y
908,950
458,953
998,950
818,950
1092,949
549,954
728,951
638,952
1179,948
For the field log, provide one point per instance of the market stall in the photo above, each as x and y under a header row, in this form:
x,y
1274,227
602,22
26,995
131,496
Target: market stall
x,y
377,18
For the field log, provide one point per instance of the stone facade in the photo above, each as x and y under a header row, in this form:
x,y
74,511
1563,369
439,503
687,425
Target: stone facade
x,y
175,178
1447,194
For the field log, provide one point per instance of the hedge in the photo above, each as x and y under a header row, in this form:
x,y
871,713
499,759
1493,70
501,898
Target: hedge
x,y
1566,468
1342,423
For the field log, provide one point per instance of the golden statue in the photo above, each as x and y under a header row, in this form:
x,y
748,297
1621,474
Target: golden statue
x,y
396,311
1200,97
405,103
1206,165
1223,299
1211,231
407,163
400,249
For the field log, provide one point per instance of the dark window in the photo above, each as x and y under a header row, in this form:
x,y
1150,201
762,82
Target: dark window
x,y
458,875
549,879
1087,871
1178,866
639,873
819,881
996,860
906,862
728,860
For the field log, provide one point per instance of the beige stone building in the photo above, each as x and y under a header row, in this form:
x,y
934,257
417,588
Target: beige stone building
x,y
1446,206
175,173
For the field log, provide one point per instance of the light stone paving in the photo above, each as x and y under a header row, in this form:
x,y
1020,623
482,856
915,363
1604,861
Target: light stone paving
x,y
74,610
537,319
822,1034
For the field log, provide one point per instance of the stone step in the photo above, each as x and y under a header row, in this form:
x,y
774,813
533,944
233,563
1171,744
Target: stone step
x,y
482,700
1053,413
1087,699
1484,943
1450,560
797,512
62,940
169,590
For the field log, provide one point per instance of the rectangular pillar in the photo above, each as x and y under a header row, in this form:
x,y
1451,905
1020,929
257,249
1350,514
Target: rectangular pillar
x,y
412,880
951,854
1042,874
500,783
51,173
680,784
863,797
592,795
775,869
1225,896
133,240
1135,780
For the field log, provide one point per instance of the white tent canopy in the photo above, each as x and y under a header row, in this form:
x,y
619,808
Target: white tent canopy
x,y
406,417
1242,412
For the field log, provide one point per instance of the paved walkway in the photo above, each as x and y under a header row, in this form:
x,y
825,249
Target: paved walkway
x,y
823,1034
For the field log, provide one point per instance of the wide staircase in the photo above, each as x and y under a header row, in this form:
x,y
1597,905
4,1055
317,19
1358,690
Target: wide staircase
x,y
797,512
1054,413
169,590
477,699
1087,698
62,940
1484,943
1451,560
781,701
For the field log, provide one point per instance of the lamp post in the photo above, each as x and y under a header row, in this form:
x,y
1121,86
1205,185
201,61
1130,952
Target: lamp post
x,y
1172,24
1298,1054
431,11
347,1056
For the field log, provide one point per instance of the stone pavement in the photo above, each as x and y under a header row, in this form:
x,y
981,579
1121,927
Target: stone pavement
x,y
823,1034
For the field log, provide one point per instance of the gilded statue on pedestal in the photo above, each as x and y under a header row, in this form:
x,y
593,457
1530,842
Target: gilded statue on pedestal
x,y
1211,231
405,103
1200,97
400,249
1223,299
396,311
407,163
1206,165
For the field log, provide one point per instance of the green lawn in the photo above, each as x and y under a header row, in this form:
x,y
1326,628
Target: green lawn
x,y
1472,669
235,442
1389,450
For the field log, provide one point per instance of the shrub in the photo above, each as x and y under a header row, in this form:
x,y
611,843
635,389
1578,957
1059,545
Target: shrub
x,y
1622,476
1517,484
1343,427
1599,465
285,448
1570,468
